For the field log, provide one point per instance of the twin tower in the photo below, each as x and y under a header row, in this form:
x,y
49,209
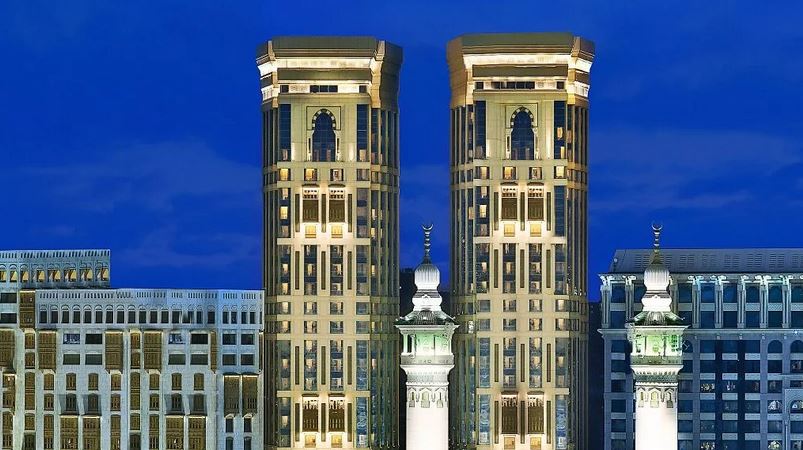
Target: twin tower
x,y
518,237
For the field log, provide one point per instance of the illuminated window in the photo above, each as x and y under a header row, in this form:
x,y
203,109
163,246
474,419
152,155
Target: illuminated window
x,y
510,230
508,173
310,174
310,231
284,174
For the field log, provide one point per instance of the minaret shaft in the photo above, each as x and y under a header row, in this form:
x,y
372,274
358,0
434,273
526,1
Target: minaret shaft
x,y
427,359
656,358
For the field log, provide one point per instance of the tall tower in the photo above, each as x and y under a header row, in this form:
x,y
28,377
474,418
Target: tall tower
x,y
519,173
427,359
655,335
330,177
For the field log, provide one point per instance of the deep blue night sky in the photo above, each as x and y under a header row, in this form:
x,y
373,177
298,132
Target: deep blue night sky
x,y
135,126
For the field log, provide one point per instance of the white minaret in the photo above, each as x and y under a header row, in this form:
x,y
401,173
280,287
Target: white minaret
x,y
427,359
655,336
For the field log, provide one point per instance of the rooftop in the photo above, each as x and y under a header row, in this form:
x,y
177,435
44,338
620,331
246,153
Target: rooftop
x,y
711,260
328,46
548,42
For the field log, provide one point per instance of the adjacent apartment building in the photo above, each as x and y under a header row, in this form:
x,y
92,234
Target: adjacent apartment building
x,y
331,205
741,386
86,366
519,202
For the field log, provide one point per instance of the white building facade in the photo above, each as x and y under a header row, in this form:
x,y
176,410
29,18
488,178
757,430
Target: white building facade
x,y
86,366
741,385
427,359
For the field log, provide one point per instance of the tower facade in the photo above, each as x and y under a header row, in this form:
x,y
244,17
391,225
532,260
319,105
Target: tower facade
x,y
330,178
656,337
427,359
519,173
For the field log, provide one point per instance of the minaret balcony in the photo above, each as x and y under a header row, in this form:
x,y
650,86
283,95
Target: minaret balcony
x,y
656,360
429,360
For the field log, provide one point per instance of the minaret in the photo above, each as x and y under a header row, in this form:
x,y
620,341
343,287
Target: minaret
x,y
655,336
427,359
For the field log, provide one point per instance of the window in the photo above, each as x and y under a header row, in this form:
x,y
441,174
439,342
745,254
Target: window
x,y
153,381
154,402
337,205
310,308
229,359
199,338
535,203
229,339
522,138
247,339
323,137
70,381
198,382
93,382
176,381
509,203
176,404
316,88
310,205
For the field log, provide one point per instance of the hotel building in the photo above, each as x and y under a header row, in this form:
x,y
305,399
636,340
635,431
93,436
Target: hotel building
x,y
741,382
330,189
519,196
86,366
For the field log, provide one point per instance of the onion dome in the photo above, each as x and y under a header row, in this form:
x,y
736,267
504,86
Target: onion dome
x,y
656,275
427,275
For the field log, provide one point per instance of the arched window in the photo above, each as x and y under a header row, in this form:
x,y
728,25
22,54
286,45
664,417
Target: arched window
x,y
775,347
522,138
797,347
323,137
654,399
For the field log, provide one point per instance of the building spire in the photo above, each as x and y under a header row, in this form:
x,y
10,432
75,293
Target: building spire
x,y
427,244
656,243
